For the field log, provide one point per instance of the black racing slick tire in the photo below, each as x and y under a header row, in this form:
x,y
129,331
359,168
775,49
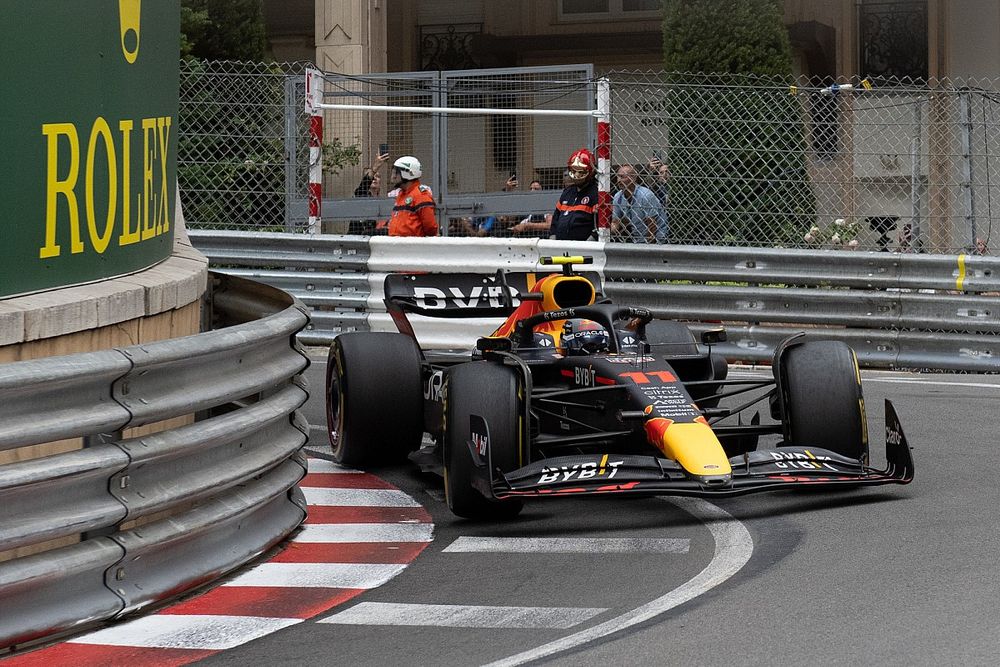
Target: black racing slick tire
x,y
490,394
374,398
824,404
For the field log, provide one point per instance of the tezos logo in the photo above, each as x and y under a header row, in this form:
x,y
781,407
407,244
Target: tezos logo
x,y
128,23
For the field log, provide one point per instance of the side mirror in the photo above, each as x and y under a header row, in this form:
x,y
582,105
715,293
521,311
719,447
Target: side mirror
x,y
713,336
494,343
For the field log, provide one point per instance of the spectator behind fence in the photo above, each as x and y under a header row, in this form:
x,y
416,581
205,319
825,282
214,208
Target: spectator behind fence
x,y
370,185
371,180
485,225
660,181
638,215
536,224
904,239
574,217
413,209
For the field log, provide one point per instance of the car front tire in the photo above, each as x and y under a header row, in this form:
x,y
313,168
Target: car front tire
x,y
493,393
824,404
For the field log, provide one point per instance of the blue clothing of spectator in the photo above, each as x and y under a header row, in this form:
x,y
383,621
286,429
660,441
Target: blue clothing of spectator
x,y
632,211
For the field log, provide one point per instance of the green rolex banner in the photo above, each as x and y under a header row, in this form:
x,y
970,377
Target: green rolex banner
x,y
88,126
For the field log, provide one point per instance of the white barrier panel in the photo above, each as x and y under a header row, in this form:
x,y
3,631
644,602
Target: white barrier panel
x,y
473,255
440,333
439,254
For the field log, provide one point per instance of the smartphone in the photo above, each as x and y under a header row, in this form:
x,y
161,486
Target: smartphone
x,y
383,149
513,176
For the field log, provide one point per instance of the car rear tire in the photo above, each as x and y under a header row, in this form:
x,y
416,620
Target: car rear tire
x,y
823,401
374,398
491,392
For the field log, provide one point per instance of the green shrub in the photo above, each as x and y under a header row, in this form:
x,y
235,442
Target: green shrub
x,y
736,136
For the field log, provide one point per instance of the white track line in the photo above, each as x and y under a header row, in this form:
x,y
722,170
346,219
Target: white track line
x,y
733,547
334,533
560,545
357,497
187,631
874,377
318,575
919,381
322,465
462,616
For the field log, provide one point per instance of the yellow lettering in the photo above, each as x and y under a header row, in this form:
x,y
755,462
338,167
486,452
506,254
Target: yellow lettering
x,y
163,131
101,130
128,235
54,187
148,223
152,204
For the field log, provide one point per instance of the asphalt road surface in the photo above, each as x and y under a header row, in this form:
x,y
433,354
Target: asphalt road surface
x,y
893,575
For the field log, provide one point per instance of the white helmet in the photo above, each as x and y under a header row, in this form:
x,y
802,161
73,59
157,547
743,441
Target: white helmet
x,y
408,166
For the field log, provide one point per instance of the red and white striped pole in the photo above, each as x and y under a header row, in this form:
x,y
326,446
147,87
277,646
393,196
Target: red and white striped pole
x,y
314,101
603,160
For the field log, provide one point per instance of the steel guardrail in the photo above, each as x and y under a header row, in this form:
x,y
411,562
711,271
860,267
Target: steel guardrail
x,y
157,513
815,268
899,310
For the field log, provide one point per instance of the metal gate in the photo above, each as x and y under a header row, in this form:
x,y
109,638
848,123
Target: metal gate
x,y
467,160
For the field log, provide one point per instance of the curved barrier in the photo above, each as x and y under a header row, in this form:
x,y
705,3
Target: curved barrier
x,y
896,310
161,513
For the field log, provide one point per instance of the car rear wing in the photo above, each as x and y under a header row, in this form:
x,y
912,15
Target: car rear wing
x,y
463,295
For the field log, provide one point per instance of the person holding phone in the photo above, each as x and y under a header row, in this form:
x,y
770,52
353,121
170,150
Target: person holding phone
x,y
371,180
660,184
370,186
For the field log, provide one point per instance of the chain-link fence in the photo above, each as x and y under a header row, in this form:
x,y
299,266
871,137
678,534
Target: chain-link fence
x,y
755,161
734,160
243,145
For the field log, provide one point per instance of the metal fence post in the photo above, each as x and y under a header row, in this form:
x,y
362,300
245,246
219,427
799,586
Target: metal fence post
x,y
439,133
291,146
916,180
968,192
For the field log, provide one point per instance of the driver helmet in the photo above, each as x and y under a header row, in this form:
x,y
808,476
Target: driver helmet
x,y
581,166
581,337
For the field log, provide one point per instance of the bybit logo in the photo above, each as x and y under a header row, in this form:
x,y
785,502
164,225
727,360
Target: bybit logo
x,y
128,21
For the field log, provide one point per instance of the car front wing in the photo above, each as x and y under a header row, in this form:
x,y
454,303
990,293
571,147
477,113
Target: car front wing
x,y
754,472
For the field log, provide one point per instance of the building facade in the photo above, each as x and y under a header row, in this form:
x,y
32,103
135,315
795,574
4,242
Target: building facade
x,y
921,39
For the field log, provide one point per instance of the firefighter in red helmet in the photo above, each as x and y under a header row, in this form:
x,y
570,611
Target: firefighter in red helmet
x,y
575,216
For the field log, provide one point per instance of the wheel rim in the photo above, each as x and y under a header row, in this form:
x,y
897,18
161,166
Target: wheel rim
x,y
335,412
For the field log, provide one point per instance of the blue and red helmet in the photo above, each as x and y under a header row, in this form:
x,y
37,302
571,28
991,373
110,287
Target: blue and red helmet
x,y
581,337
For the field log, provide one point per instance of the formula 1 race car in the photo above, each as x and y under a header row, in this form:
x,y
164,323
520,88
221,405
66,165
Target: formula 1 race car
x,y
575,395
